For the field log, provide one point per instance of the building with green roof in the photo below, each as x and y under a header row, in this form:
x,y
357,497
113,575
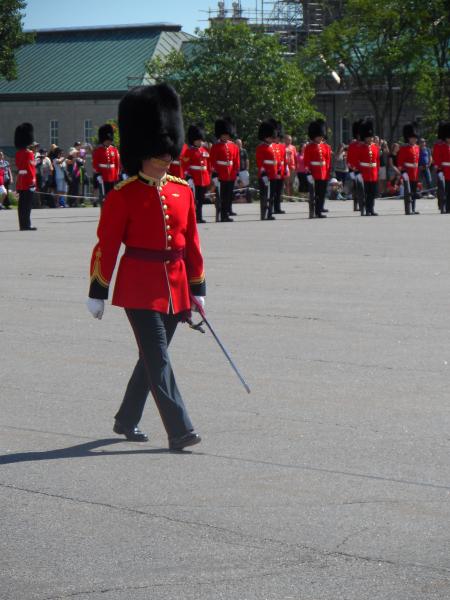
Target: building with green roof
x,y
70,80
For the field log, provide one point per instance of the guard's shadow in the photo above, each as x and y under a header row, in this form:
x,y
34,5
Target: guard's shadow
x,y
81,451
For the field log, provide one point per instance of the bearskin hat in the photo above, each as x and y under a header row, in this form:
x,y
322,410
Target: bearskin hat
x,y
150,125
410,130
23,136
444,130
223,126
105,133
196,132
317,128
267,129
355,129
366,129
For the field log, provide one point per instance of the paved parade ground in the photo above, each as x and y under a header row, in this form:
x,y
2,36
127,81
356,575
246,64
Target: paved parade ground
x,y
330,481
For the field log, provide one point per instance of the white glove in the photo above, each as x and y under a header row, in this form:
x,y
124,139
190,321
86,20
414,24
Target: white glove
x,y
100,179
32,189
352,175
216,182
288,171
359,177
191,184
265,180
441,175
198,300
405,176
310,179
95,307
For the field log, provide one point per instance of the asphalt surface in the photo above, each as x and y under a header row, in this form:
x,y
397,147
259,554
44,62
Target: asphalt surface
x,y
330,481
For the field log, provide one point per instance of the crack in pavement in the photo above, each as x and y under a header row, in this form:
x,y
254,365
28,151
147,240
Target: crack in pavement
x,y
320,552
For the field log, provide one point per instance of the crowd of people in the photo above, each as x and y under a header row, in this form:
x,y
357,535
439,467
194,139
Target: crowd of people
x,y
366,168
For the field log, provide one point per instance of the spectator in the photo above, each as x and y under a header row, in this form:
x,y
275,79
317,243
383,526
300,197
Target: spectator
x,y
384,160
44,176
291,153
392,169
74,168
59,165
300,169
340,164
394,186
425,160
336,189
5,167
243,179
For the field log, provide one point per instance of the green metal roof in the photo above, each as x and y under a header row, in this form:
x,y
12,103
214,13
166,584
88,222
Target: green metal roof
x,y
90,60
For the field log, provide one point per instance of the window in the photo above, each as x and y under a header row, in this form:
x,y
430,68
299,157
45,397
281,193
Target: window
x,y
88,131
345,130
54,132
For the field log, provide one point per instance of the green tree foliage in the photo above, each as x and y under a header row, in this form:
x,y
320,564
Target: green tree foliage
x,y
237,71
11,36
375,50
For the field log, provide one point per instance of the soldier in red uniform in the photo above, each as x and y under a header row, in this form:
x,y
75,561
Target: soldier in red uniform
x,y
106,161
153,214
408,163
196,166
317,157
441,160
368,165
176,166
224,158
357,188
267,165
26,174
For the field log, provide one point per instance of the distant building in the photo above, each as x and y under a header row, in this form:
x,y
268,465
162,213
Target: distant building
x,y
70,80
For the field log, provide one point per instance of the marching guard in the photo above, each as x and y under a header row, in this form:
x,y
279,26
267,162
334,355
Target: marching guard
x,y
106,161
368,165
224,157
267,165
26,174
153,215
196,166
408,163
176,167
317,158
441,159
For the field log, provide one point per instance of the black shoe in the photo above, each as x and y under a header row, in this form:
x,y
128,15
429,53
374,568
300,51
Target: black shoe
x,y
201,221
133,434
374,214
227,220
324,209
280,212
189,439
321,216
28,229
232,214
415,212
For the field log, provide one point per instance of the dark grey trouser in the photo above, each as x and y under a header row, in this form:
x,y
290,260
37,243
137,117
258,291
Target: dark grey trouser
x,y
153,373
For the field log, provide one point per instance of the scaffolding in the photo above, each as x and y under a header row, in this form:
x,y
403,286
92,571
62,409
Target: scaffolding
x,y
292,20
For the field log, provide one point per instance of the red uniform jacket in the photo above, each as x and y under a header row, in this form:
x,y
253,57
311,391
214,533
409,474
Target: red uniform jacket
x,y
266,161
196,164
280,151
225,160
408,160
106,162
352,154
368,161
177,166
26,170
318,160
148,216
441,158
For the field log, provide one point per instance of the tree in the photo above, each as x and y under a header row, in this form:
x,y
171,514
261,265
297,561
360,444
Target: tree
x,y
373,48
237,71
11,36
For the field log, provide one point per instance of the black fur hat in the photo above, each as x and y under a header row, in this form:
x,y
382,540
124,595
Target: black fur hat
x,y
224,125
317,128
150,125
23,136
444,130
267,129
105,132
366,129
355,129
410,130
196,132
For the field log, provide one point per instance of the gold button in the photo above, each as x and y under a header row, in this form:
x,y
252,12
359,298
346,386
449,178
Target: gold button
x,y
163,197
169,237
169,247
167,262
167,227
165,207
167,217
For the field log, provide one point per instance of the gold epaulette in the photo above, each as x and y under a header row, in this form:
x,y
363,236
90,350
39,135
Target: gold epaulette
x,y
121,184
174,179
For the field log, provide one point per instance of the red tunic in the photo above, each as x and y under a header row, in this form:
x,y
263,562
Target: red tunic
x,y
317,157
196,164
26,170
441,158
176,166
266,161
280,151
352,154
368,161
157,216
106,162
224,160
408,160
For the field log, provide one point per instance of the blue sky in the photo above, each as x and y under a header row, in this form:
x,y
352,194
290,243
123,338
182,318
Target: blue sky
x,y
43,14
